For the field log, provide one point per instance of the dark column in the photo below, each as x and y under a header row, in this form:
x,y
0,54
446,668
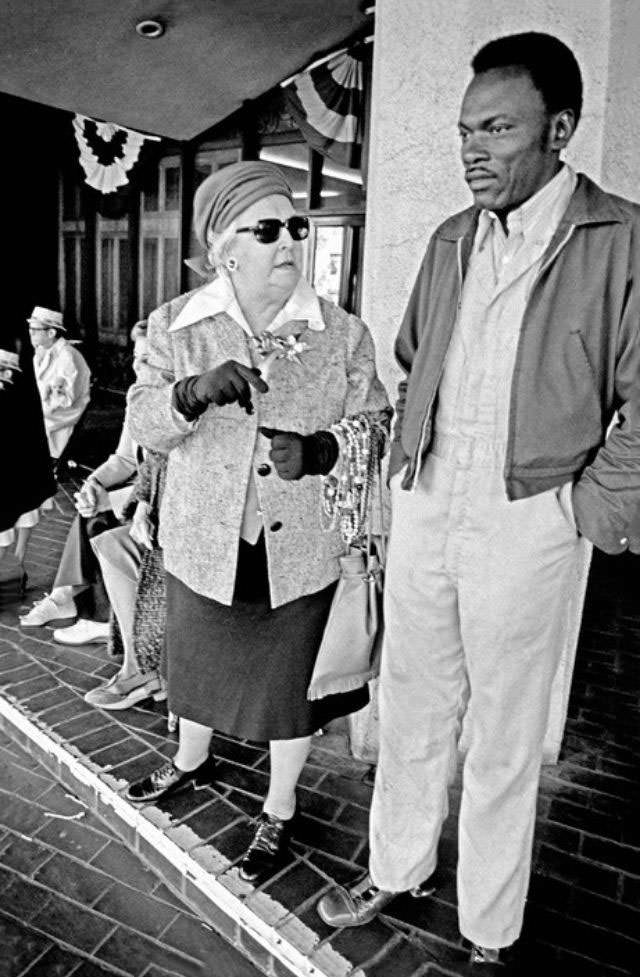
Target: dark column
x,y
89,295
133,292
187,172
314,180
249,128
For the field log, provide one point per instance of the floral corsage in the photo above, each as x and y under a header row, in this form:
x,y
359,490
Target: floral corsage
x,y
274,347
283,343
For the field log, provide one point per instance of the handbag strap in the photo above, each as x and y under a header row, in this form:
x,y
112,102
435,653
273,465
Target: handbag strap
x,y
384,535
382,550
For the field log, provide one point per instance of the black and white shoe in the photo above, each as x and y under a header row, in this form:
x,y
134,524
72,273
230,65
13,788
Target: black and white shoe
x,y
268,848
169,779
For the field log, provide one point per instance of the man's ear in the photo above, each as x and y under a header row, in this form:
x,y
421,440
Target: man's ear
x,y
561,128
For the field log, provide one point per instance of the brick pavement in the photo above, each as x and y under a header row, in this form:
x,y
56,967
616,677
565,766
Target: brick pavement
x,y
583,914
74,900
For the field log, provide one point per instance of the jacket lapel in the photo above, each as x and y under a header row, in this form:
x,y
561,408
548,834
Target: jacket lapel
x,y
41,364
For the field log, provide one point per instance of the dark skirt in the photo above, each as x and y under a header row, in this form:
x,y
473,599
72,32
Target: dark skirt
x,y
245,669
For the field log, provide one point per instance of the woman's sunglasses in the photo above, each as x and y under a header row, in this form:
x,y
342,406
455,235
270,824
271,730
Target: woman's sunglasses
x,y
268,230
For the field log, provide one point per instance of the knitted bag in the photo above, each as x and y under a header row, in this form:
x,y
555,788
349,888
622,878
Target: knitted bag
x,y
150,613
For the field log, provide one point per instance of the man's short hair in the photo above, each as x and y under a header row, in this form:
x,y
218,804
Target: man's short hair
x,y
551,65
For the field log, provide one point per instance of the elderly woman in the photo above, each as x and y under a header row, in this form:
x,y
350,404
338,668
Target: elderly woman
x,y
244,377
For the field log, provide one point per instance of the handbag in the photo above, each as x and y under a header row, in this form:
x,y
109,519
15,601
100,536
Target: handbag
x,y
150,612
349,653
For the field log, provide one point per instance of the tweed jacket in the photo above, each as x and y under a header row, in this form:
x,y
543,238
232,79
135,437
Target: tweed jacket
x,y
212,459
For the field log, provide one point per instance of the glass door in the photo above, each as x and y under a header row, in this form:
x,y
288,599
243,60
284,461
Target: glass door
x,y
160,236
113,277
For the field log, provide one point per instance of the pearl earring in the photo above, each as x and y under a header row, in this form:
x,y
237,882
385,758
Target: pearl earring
x,y
232,263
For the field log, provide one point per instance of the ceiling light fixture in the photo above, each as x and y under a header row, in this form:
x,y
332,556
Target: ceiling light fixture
x,y
151,28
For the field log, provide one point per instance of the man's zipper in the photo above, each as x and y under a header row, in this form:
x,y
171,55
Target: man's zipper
x,y
516,368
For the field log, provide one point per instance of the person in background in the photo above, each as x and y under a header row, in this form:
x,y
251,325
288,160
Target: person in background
x,y
100,503
78,569
520,343
62,375
27,482
244,377
121,553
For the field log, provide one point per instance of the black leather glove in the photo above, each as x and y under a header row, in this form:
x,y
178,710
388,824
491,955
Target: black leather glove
x,y
295,455
229,382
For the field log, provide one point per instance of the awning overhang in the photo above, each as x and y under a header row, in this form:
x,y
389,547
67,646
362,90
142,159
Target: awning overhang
x,y
85,55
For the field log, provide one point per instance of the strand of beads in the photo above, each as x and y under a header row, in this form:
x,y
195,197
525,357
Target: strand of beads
x,y
346,494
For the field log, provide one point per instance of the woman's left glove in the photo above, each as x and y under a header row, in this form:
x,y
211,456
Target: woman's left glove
x,y
295,455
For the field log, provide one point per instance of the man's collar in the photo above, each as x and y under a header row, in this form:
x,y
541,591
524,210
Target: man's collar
x,y
588,205
54,349
218,296
531,216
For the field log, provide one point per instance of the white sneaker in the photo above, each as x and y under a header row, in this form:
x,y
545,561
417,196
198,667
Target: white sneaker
x,y
83,632
46,610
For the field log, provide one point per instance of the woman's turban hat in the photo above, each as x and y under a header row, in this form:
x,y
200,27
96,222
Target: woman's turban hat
x,y
226,193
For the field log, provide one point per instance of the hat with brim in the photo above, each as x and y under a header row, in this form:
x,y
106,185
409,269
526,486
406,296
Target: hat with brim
x,y
9,360
46,318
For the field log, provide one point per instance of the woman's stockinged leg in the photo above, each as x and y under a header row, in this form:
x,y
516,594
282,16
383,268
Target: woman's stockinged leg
x,y
288,757
191,767
273,828
193,744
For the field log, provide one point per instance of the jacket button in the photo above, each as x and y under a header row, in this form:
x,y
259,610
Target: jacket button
x,y
275,526
263,469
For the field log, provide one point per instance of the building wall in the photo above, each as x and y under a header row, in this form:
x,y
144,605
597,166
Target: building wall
x,y
421,68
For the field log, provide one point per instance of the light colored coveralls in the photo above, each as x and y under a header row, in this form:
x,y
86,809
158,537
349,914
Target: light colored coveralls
x,y
63,379
474,602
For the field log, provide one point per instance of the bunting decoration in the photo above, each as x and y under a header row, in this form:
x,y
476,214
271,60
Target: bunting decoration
x,y
107,152
327,105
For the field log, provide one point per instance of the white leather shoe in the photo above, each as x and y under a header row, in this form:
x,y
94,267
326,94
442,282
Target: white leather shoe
x,y
46,610
119,693
83,632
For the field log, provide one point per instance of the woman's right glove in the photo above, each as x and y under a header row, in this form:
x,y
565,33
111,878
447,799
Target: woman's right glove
x,y
229,382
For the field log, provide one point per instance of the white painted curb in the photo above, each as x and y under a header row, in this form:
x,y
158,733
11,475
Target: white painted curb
x,y
331,964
